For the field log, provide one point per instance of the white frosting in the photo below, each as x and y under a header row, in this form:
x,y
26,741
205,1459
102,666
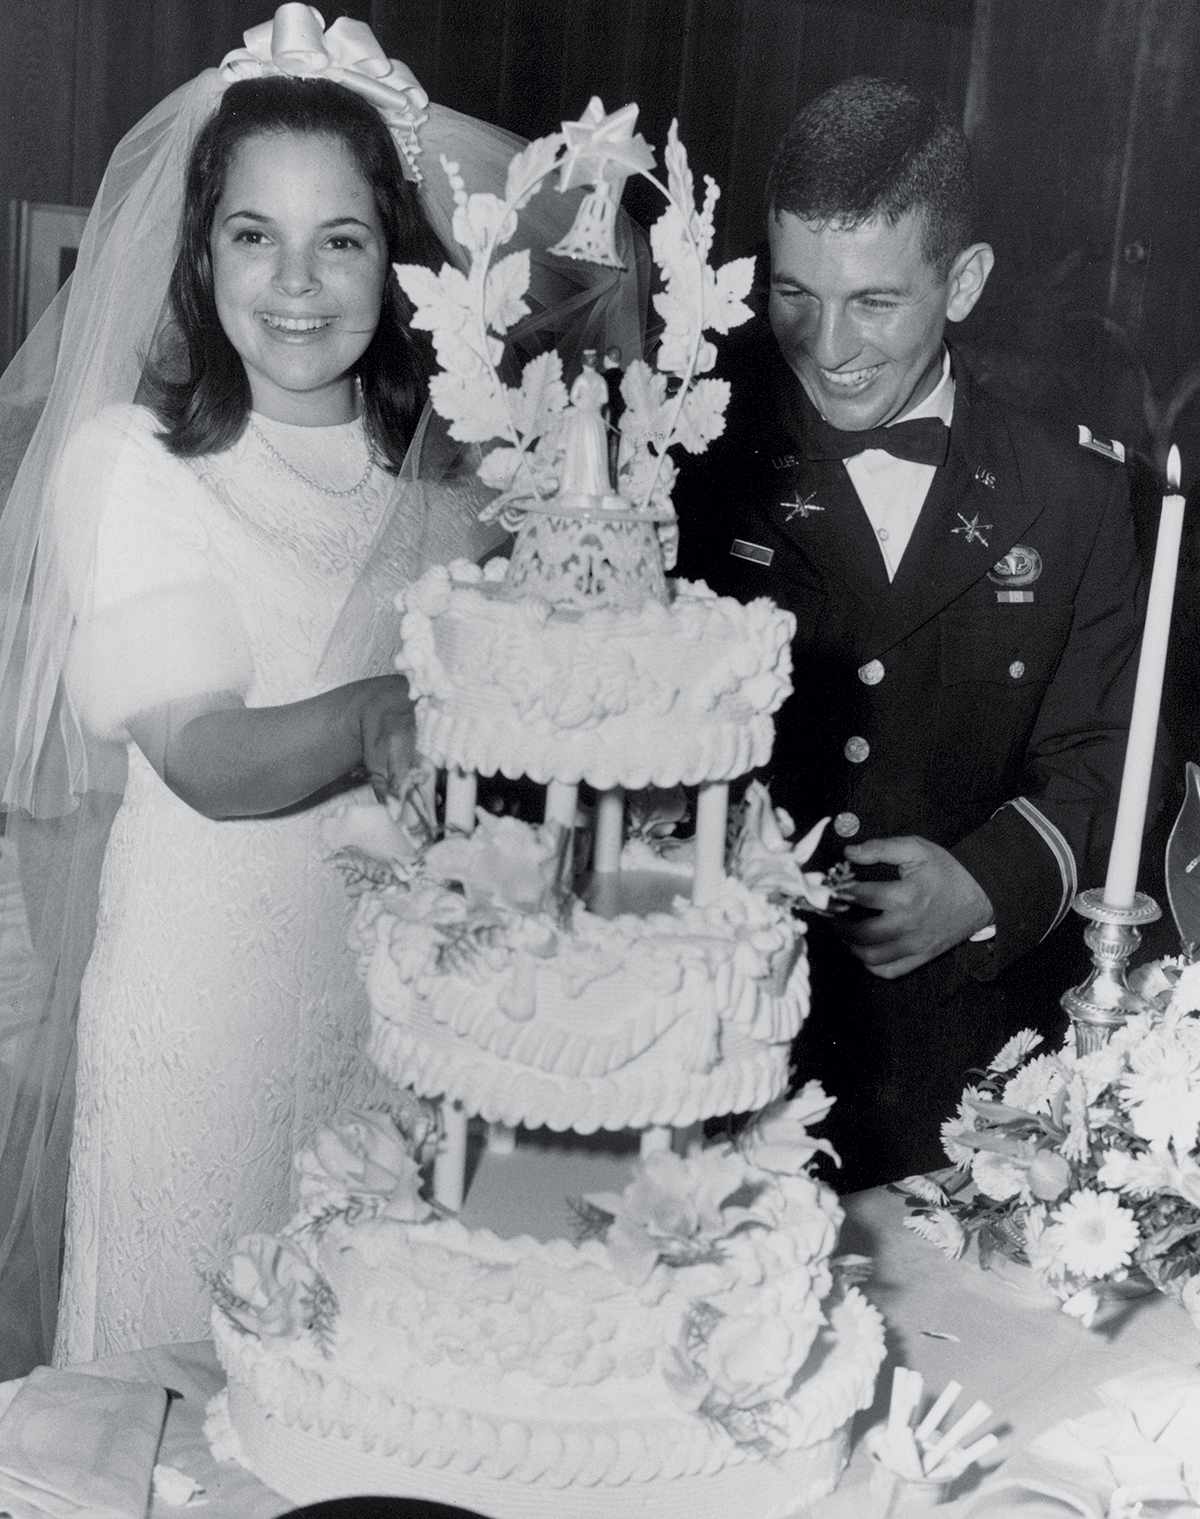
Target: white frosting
x,y
516,1364
660,696
700,1361
628,1022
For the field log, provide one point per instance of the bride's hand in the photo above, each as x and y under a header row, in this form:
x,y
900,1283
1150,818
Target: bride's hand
x,y
388,733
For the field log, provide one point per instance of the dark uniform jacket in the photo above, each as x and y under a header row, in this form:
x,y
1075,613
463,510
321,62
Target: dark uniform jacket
x,y
980,700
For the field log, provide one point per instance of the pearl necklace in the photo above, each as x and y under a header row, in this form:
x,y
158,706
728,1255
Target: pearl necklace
x,y
326,490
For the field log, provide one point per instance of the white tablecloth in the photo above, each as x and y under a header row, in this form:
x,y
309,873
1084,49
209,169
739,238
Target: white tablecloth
x,y
946,1320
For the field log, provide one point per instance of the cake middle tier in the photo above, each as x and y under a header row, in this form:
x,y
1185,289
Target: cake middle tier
x,y
659,696
602,1023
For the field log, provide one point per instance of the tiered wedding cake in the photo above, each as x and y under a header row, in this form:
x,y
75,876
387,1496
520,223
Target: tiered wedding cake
x,y
687,1347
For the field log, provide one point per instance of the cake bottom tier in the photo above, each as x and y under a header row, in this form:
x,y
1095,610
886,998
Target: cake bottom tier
x,y
308,1467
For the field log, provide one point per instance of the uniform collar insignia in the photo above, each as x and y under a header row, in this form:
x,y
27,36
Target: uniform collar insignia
x,y
971,529
802,507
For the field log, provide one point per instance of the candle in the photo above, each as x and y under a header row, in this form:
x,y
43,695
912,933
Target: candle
x,y
1120,883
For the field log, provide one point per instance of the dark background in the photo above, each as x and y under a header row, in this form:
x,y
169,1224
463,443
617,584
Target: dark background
x,y
1084,116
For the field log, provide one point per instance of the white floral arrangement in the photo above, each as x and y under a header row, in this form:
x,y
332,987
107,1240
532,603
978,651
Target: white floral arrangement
x,y
767,860
368,1165
469,900
742,1236
469,313
1084,1167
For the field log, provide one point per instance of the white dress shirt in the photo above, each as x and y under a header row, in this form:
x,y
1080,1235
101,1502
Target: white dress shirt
x,y
893,490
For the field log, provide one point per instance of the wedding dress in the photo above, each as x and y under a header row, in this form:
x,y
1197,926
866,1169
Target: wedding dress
x,y
244,577
221,1011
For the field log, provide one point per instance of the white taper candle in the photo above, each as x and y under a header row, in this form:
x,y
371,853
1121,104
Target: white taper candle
x,y
1120,883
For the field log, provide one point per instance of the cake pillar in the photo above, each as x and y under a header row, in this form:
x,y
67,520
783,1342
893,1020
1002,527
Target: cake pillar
x,y
450,1163
562,803
610,828
461,788
654,1139
712,811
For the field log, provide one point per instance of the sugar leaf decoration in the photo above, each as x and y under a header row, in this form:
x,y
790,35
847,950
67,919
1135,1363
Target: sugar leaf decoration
x,y
468,314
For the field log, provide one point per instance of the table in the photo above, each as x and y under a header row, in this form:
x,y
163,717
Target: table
x,y
945,1319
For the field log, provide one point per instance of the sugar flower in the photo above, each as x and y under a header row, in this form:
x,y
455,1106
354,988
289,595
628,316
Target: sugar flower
x,y
504,863
1094,1234
767,860
271,1289
386,833
364,1157
778,1139
675,1209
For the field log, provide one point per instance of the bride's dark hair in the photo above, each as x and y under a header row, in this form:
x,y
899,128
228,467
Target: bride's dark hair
x,y
195,382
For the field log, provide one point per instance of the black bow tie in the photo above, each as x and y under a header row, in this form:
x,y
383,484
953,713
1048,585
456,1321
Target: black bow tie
x,y
923,440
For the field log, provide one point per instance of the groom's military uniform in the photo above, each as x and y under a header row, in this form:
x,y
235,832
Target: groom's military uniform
x,y
980,699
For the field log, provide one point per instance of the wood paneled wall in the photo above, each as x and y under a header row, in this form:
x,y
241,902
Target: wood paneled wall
x,y
1083,114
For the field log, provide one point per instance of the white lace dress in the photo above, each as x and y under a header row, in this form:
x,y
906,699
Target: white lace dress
x,y
221,1012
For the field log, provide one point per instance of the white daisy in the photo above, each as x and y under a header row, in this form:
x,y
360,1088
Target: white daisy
x,y
965,1122
1035,1086
1186,996
1078,1143
939,1228
1141,1174
923,1187
1016,1050
1100,1069
1164,1108
999,1178
1095,1234
1152,979
1082,1305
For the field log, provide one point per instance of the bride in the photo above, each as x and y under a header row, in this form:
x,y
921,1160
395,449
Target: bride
x,y
205,548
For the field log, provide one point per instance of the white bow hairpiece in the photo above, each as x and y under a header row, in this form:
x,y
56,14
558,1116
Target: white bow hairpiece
x,y
296,42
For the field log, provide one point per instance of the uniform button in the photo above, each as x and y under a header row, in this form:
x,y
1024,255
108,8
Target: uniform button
x,y
1017,669
871,673
846,825
882,534
856,749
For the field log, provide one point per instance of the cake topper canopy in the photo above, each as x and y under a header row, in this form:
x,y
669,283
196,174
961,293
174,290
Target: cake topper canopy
x,y
583,538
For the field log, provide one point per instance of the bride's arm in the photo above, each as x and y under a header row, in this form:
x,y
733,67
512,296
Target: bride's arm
x,y
228,760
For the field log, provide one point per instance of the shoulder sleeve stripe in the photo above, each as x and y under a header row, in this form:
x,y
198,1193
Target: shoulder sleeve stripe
x,y
1055,842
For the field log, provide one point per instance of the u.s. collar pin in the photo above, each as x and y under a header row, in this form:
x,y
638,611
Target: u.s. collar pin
x,y
985,476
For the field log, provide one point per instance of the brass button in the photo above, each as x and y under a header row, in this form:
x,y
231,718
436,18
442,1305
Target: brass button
x,y
871,673
846,825
856,749
1017,669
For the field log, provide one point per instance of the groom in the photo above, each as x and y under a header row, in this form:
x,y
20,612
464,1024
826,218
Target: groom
x,y
968,607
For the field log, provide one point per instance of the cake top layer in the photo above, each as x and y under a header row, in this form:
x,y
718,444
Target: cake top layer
x,y
648,696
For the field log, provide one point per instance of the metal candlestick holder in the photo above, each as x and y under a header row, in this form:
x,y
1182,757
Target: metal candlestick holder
x,y
1096,1006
